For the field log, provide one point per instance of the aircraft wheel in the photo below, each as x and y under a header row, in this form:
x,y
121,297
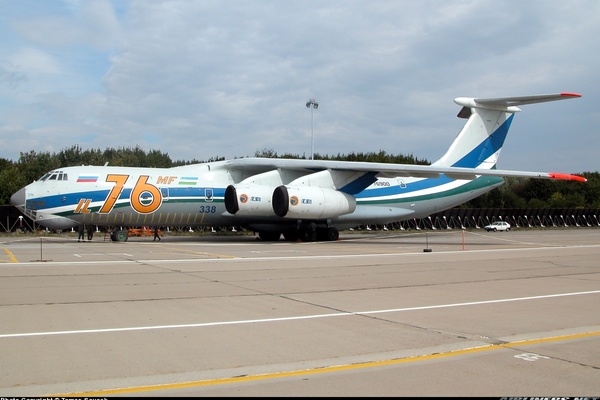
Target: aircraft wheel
x,y
333,234
119,236
310,233
328,234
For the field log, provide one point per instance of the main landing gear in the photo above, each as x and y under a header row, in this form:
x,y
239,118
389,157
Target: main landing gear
x,y
307,233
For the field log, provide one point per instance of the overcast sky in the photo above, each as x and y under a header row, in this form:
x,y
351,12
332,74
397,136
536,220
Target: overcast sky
x,y
204,79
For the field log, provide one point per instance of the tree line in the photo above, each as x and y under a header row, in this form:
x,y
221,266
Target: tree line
x,y
515,193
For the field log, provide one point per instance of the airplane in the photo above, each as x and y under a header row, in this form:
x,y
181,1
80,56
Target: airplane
x,y
303,200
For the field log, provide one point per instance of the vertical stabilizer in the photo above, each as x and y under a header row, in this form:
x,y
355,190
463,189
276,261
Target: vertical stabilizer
x,y
480,141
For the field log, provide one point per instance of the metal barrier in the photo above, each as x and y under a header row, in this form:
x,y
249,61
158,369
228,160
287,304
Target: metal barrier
x,y
476,218
11,219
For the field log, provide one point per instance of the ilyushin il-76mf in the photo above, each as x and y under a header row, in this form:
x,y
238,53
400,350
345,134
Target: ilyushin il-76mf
x,y
298,199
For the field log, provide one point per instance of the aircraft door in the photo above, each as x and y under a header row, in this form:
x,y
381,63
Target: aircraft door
x,y
164,192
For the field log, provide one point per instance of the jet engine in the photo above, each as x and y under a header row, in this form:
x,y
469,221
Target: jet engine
x,y
252,200
311,202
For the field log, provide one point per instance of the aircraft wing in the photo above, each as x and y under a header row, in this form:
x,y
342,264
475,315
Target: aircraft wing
x,y
387,170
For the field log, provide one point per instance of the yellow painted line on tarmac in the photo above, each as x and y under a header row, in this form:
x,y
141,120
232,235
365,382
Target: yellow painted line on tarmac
x,y
334,368
10,255
214,255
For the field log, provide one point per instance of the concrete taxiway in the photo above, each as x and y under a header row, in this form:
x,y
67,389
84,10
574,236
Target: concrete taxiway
x,y
396,313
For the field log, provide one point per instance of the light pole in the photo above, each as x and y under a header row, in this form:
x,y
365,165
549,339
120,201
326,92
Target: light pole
x,y
313,105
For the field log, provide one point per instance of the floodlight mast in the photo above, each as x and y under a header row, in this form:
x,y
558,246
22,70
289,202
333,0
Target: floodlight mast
x,y
313,105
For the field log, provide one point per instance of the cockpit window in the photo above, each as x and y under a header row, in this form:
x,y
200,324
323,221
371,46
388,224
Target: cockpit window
x,y
55,176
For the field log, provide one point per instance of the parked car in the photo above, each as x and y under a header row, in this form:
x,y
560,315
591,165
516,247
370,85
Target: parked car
x,y
498,226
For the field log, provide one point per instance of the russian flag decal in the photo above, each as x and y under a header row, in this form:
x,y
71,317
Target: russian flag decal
x,y
87,178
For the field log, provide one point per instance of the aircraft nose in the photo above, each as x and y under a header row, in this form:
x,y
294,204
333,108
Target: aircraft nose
x,y
18,198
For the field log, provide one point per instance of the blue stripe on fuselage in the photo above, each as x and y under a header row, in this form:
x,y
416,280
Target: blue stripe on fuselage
x,y
72,199
409,188
62,200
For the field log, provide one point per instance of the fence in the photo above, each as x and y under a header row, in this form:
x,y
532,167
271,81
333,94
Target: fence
x,y
12,219
465,218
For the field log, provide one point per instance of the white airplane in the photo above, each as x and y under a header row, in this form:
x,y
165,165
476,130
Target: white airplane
x,y
304,200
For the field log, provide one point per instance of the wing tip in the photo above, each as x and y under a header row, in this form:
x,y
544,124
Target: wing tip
x,y
566,177
570,94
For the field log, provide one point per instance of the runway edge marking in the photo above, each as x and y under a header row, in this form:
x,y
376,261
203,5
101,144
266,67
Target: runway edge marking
x,y
334,368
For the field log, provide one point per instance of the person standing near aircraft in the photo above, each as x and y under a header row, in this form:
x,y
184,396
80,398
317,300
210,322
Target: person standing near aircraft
x,y
81,233
156,234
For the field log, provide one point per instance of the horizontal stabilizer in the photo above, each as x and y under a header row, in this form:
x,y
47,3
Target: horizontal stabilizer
x,y
510,104
522,100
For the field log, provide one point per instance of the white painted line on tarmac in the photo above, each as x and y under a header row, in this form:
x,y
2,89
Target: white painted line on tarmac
x,y
300,257
294,318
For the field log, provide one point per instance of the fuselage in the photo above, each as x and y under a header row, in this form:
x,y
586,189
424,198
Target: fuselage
x,y
194,195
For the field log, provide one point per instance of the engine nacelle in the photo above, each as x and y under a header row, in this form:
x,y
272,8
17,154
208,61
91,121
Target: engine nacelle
x,y
309,202
249,200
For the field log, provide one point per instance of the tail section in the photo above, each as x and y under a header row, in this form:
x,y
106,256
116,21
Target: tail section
x,y
480,141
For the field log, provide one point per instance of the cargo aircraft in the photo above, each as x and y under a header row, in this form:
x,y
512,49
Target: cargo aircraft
x,y
301,200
